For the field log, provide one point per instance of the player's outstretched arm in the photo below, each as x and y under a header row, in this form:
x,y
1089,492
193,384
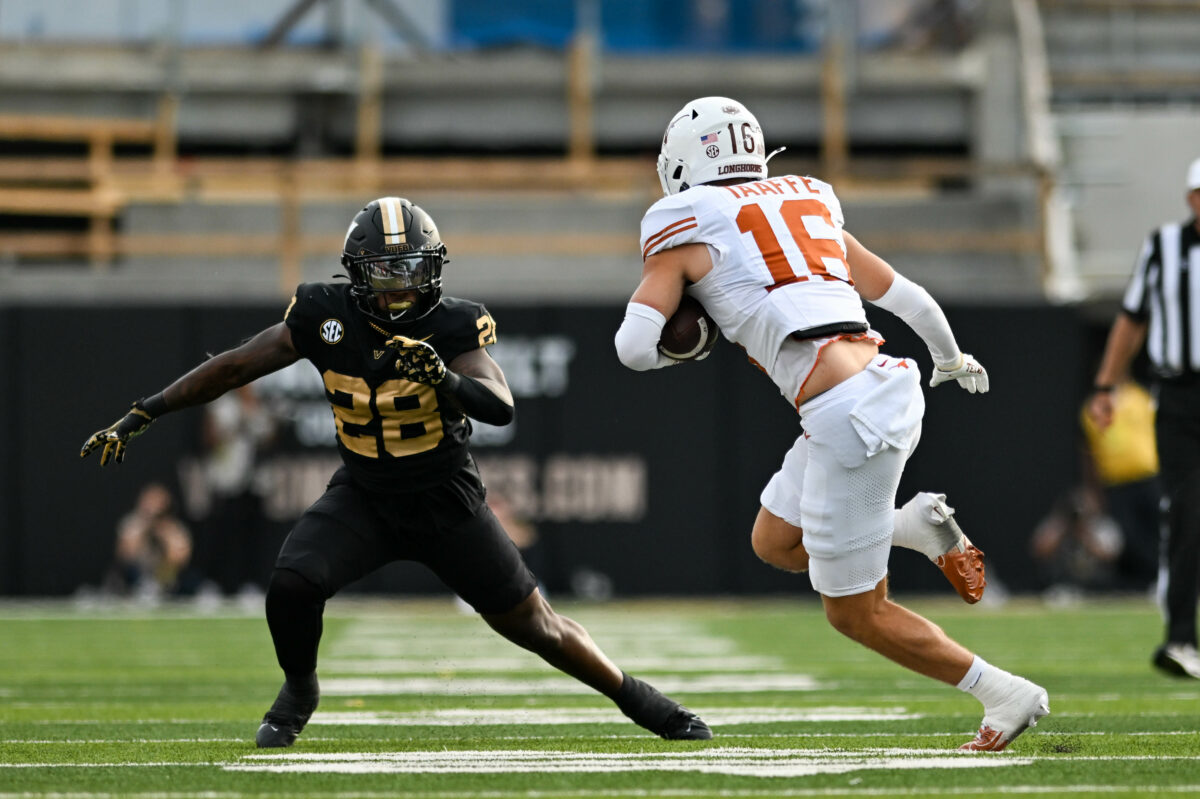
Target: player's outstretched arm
x,y
878,283
266,352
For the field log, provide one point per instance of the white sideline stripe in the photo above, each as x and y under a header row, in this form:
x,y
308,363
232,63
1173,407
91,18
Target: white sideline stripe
x,y
396,665
157,764
459,627
724,736
712,760
565,711
758,754
76,742
455,717
621,640
398,646
736,793
496,761
707,684
733,761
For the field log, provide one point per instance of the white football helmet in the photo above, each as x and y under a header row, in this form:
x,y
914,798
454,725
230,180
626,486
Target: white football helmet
x,y
711,138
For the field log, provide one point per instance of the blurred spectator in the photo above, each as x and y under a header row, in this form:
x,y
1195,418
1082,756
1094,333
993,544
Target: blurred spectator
x,y
519,529
237,554
1103,535
153,548
1076,546
1122,463
917,25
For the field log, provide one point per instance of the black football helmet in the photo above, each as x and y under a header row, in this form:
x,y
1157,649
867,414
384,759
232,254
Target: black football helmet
x,y
394,246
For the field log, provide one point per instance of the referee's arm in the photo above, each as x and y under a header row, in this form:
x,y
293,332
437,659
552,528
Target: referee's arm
x,y
1125,341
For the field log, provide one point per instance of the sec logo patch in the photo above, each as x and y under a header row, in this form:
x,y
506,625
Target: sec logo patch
x,y
332,331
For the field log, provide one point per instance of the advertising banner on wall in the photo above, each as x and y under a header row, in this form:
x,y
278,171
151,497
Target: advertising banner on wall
x,y
618,483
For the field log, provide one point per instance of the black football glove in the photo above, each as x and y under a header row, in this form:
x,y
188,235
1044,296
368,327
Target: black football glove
x,y
417,361
115,437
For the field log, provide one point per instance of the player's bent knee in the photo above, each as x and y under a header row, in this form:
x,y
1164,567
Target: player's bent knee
x,y
780,546
845,623
290,586
854,616
532,624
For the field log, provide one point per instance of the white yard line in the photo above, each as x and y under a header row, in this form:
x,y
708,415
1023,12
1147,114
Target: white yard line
x,y
344,664
517,686
732,761
454,717
632,735
739,793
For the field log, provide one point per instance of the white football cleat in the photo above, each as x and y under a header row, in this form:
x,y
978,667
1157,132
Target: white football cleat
x,y
1180,660
1020,710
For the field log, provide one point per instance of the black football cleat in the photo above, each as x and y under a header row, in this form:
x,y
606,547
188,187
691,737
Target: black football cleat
x,y
664,717
684,725
286,718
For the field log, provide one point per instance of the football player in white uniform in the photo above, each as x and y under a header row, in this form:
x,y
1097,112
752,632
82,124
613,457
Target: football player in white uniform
x,y
769,260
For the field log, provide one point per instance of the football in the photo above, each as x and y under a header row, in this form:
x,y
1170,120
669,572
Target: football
x,y
690,332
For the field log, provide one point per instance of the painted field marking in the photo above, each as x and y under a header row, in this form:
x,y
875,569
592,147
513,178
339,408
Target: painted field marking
x,y
516,686
735,761
732,761
401,637
310,738
735,793
454,717
343,664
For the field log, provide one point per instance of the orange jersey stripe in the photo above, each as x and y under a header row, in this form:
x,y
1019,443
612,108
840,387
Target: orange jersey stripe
x,y
667,232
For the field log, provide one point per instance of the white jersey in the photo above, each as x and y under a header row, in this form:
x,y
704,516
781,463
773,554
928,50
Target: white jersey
x,y
779,260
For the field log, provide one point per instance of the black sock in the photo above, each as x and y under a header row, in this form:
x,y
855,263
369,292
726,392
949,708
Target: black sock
x,y
643,703
294,608
303,684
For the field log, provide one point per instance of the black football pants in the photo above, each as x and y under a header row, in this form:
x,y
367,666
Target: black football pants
x,y
1177,429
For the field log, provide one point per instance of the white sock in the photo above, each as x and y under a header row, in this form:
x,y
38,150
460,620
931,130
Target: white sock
x,y
915,527
971,678
986,683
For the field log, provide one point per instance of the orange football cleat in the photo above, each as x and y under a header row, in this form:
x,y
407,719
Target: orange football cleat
x,y
963,567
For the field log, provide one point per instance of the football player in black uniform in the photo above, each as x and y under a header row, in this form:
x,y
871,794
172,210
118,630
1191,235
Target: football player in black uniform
x,y
404,368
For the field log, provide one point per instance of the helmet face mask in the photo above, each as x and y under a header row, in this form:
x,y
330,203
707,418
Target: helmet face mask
x,y
394,256
711,138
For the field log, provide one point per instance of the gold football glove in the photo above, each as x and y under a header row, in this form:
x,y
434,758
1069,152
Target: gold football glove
x,y
417,361
115,437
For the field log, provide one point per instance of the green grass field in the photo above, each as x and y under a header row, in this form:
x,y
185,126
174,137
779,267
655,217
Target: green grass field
x,y
423,701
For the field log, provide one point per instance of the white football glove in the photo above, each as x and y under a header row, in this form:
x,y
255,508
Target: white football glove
x,y
969,373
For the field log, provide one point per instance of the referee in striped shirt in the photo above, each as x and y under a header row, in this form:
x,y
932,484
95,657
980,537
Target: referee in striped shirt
x,y
1161,309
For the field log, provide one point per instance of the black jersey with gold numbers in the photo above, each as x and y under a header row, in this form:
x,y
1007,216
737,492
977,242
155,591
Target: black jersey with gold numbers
x,y
394,435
